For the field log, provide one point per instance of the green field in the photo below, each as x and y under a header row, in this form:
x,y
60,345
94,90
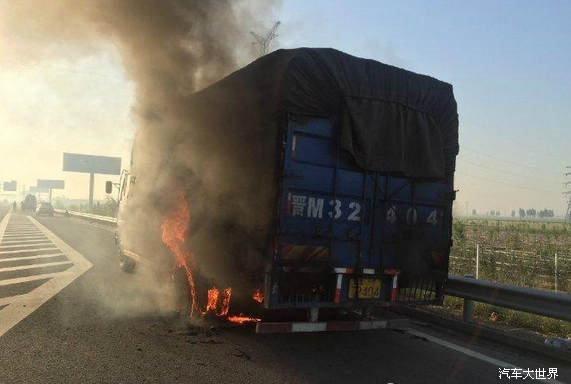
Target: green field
x,y
515,252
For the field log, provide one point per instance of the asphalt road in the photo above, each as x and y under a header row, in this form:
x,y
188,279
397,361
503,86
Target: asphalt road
x,y
104,327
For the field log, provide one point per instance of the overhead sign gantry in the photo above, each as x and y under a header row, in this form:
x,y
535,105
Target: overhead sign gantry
x,y
50,184
74,162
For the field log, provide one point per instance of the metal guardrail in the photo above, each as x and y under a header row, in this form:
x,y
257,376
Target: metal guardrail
x,y
88,216
536,301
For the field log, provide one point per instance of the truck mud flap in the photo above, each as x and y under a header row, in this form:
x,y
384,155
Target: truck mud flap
x,y
330,326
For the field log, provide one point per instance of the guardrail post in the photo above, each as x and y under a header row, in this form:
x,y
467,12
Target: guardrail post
x,y
555,272
468,309
477,261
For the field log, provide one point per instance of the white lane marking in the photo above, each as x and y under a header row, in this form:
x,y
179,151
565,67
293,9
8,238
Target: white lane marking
x,y
12,237
28,250
32,266
15,228
23,242
21,306
12,299
27,279
24,245
4,223
23,232
8,259
471,353
36,238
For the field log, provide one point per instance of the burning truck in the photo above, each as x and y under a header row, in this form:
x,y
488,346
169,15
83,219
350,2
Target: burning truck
x,y
308,179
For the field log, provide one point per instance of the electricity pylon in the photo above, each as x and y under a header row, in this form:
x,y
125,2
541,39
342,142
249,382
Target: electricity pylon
x,y
264,40
568,193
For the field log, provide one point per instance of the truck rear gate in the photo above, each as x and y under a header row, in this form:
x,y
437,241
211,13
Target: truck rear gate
x,y
348,237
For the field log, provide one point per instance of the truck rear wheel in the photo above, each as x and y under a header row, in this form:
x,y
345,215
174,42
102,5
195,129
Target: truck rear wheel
x,y
126,263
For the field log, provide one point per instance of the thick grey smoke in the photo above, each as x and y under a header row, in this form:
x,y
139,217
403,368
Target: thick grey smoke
x,y
170,49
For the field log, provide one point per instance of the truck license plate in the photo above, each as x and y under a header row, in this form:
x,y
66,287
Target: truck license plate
x,y
368,288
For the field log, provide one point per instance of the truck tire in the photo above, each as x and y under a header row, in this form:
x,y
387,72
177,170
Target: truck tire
x,y
126,263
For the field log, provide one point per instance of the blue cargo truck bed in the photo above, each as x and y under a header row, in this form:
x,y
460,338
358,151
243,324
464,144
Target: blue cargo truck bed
x,y
345,236
319,178
359,157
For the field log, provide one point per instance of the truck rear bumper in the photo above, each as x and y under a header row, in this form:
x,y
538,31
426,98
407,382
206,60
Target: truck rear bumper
x,y
336,288
329,326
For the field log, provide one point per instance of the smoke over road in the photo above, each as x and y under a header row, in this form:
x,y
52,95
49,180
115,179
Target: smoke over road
x,y
171,49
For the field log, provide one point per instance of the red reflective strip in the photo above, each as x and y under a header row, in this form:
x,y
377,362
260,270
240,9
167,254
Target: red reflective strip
x,y
343,326
349,270
273,327
394,292
338,286
394,288
319,326
337,297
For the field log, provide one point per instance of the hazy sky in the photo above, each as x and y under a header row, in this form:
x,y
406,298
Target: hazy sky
x,y
507,60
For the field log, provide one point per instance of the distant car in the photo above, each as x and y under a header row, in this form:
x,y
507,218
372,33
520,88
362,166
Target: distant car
x,y
45,209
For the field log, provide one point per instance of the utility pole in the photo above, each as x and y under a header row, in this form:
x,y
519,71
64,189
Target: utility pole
x,y
568,193
264,40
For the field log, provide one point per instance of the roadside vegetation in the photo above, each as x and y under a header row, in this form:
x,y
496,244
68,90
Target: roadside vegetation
x,y
522,253
107,208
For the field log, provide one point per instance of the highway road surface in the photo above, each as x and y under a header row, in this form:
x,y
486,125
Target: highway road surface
x,y
68,315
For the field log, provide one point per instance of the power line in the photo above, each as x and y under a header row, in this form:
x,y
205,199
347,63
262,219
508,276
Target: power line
x,y
509,173
568,192
511,162
507,184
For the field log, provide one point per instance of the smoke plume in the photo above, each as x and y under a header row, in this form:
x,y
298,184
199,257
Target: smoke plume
x,y
170,49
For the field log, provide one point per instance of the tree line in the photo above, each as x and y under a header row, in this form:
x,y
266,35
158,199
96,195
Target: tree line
x,y
523,213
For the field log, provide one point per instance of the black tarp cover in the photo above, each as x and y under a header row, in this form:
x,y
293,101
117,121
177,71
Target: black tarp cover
x,y
390,120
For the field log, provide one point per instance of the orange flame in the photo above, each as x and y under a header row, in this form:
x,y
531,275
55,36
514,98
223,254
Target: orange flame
x,y
258,296
175,230
212,301
243,319
216,304
225,305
